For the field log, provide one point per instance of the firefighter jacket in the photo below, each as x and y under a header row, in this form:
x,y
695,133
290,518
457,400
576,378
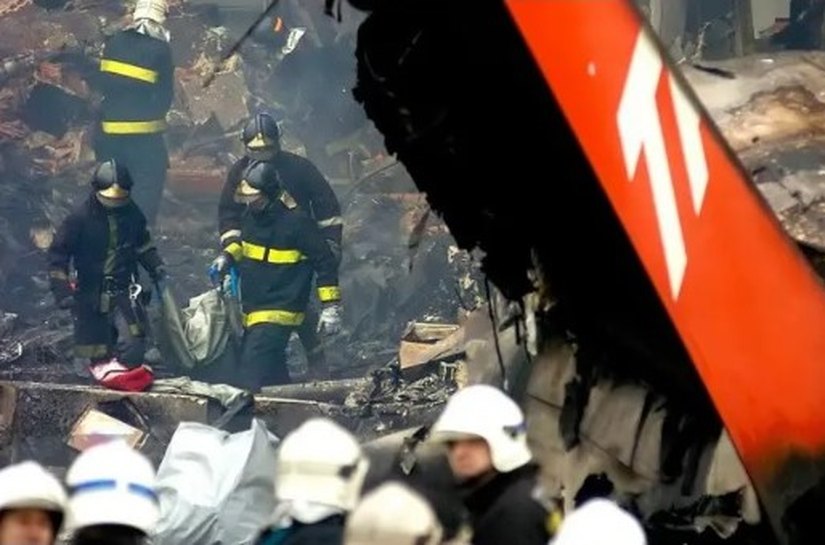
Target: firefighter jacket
x,y
281,248
137,83
303,181
105,246
504,510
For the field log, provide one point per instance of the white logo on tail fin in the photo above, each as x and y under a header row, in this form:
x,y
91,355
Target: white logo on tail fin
x,y
640,129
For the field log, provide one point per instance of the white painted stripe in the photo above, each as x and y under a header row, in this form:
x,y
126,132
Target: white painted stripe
x,y
687,119
640,130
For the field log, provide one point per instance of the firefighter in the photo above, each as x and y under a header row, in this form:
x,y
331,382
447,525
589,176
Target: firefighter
x,y
112,496
276,247
32,504
320,471
393,514
486,438
600,522
137,83
261,138
104,240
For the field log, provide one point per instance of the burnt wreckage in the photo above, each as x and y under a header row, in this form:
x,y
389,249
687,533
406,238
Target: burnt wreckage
x,y
459,99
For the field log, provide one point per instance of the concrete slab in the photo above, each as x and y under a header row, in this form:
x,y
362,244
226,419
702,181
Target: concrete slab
x,y
36,418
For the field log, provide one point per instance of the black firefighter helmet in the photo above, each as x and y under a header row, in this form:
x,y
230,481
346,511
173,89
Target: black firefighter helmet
x,y
112,182
261,137
259,179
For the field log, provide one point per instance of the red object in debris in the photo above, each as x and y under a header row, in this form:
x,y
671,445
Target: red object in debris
x,y
746,304
116,376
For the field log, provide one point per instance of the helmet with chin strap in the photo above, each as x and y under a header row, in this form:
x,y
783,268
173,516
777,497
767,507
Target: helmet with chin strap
x,y
112,180
261,137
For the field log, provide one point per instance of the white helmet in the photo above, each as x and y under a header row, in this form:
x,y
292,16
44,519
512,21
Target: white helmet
x,y
600,522
486,412
112,483
320,462
154,10
393,514
28,485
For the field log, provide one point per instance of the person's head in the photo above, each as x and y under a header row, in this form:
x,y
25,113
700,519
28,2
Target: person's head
x,y
600,522
484,431
112,183
112,493
320,464
393,514
261,137
151,10
32,503
259,185
109,534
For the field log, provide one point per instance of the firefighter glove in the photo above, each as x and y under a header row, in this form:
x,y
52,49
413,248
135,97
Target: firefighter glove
x,y
329,323
220,268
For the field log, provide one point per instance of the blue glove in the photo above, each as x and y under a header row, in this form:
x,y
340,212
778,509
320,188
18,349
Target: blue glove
x,y
234,280
220,268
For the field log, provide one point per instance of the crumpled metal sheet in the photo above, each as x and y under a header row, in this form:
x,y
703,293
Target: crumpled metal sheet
x,y
772,113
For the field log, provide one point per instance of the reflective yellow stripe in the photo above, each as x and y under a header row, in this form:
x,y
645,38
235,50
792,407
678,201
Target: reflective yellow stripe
x,y
133,127
331,222
145,248
272,255
128,70
58,275
253,251
553,522
232,233
284,256
280,317
235,250
93,351
329,293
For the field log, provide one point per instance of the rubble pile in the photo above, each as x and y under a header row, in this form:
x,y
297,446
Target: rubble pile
x,y
772,113
399,259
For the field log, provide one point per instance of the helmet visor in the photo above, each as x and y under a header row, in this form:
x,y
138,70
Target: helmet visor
x,y
114,191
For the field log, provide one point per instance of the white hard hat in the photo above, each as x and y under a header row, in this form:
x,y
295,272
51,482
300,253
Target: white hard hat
x,y
112,483
320,462
600,522
393,514
28,485
486,412
154,10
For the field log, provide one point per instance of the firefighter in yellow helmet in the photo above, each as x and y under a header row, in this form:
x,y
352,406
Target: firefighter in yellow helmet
x,y
104,240
32,504
280,252
312,193
137,84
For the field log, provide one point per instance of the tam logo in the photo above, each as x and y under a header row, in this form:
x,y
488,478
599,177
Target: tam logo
x,y
640,129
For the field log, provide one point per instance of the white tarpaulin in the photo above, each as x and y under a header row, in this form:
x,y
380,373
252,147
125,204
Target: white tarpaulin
x,y
216,488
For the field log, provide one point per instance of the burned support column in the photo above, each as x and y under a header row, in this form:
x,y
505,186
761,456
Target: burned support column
x,y
743,28
668,18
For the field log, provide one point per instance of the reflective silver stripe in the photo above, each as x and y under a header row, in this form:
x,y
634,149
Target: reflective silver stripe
x,y
330,222
231,233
